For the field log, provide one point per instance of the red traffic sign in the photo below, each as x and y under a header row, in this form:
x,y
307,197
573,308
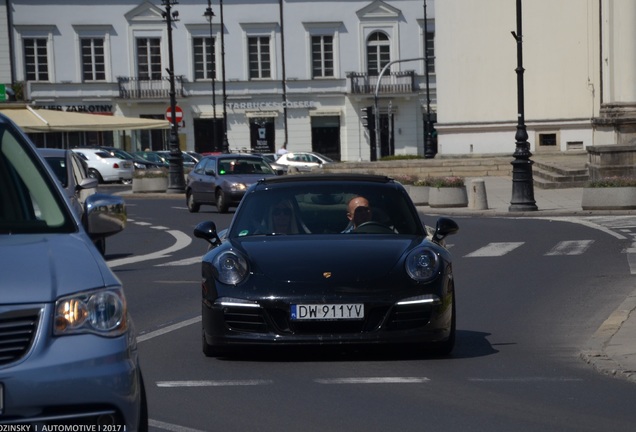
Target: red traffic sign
x,y
178,112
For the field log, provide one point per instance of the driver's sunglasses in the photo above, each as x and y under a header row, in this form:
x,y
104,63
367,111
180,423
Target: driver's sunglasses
x,y
282,211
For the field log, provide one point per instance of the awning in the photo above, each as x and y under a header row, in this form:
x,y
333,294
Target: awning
x,y
43,120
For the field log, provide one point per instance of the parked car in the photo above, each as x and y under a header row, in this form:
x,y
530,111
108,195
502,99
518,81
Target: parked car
x,y
327,276
154,157
189,161
303,161
106,168
222,180
138,162
271,159
69,352
72,172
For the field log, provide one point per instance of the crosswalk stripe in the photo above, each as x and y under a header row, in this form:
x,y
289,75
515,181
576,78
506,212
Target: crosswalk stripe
x,y
495,249
570,247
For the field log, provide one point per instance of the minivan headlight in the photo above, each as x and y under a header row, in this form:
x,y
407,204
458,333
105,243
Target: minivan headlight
x,y
103,312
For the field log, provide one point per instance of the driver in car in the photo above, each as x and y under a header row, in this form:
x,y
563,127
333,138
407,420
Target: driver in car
x,y
358,212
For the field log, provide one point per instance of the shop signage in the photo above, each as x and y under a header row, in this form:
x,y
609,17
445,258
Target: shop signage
x,y
271,105
92,109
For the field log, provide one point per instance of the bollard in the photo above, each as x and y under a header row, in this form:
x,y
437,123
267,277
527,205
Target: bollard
x,y
478,198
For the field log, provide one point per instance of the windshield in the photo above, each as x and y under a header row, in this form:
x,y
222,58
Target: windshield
x,y
322,209
29,202
231,166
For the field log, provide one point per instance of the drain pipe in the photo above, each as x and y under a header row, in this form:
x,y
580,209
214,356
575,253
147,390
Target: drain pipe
x,y
284,74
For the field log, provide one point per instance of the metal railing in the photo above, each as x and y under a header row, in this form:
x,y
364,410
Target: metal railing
x,y
394,82
144,88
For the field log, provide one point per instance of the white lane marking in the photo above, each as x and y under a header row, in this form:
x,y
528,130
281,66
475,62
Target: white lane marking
x,y
218,383
526,379
591,222
168,329
170,427
183,241
495,249
143,223
183,262
373,380
570,247
159,227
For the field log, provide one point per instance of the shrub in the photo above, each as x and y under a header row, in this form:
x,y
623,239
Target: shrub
x,y
151,173
614,181
440,182
405,179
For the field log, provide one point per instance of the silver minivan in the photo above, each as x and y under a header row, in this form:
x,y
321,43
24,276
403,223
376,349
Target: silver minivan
x,y
67,342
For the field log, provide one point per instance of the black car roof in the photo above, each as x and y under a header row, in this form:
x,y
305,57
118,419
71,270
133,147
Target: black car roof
x,y
331,177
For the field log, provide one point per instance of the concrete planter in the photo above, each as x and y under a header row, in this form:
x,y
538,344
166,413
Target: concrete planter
x,y
149,184
609,198
448,197
419,194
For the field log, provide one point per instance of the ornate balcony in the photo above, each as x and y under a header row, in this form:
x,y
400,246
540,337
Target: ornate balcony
x,y
393,82
143,88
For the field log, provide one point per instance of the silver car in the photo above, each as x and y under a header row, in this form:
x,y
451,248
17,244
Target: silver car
x,y
72,172
68,344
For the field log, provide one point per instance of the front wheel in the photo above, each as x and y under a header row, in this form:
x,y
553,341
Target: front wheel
x,y
221,202
93,173
193,206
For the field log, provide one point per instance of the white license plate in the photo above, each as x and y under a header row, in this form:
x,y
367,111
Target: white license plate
x,y
327,311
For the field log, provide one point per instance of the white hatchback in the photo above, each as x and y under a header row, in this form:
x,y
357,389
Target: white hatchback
x,y
105,167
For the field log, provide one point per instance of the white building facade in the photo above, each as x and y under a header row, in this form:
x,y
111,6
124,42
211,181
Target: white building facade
x,y
579,58
261,75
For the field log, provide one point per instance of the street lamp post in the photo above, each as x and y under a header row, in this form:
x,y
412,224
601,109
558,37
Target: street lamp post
x,y
522,182
209,14
429,150
375,148
176,180
226,144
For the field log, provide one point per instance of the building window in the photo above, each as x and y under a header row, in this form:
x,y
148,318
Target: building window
x,y
322,56
204,58
93,59
548,140
430,51
36,59
378,52
149,58
259,57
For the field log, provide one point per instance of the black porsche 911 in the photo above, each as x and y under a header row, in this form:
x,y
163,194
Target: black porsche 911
x,y
318,259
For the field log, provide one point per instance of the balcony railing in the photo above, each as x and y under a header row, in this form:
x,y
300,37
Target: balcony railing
x,y
393,82
143,88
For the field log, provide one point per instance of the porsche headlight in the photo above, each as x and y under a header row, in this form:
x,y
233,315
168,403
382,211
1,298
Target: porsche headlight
x,y
101,312
422,265
229,268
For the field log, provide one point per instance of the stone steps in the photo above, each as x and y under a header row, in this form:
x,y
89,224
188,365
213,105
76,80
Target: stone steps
x,y
550,171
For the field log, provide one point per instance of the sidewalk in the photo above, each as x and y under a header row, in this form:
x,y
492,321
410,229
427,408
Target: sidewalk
x,y
612,348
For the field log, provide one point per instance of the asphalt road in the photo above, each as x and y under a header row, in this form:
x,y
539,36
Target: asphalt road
x,y
530,293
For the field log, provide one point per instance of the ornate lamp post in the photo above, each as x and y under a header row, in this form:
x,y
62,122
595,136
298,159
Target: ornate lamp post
x,y
429,150
209,14
522,183
176,181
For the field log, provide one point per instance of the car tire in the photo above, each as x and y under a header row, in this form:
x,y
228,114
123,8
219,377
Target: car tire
x,y
126,181
211,350
143,409
446,347
222,205
193,206
93,173
100,244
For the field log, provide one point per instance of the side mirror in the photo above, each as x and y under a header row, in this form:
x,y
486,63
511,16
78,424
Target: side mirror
x,y
88,183
444,227
105,215
207,231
